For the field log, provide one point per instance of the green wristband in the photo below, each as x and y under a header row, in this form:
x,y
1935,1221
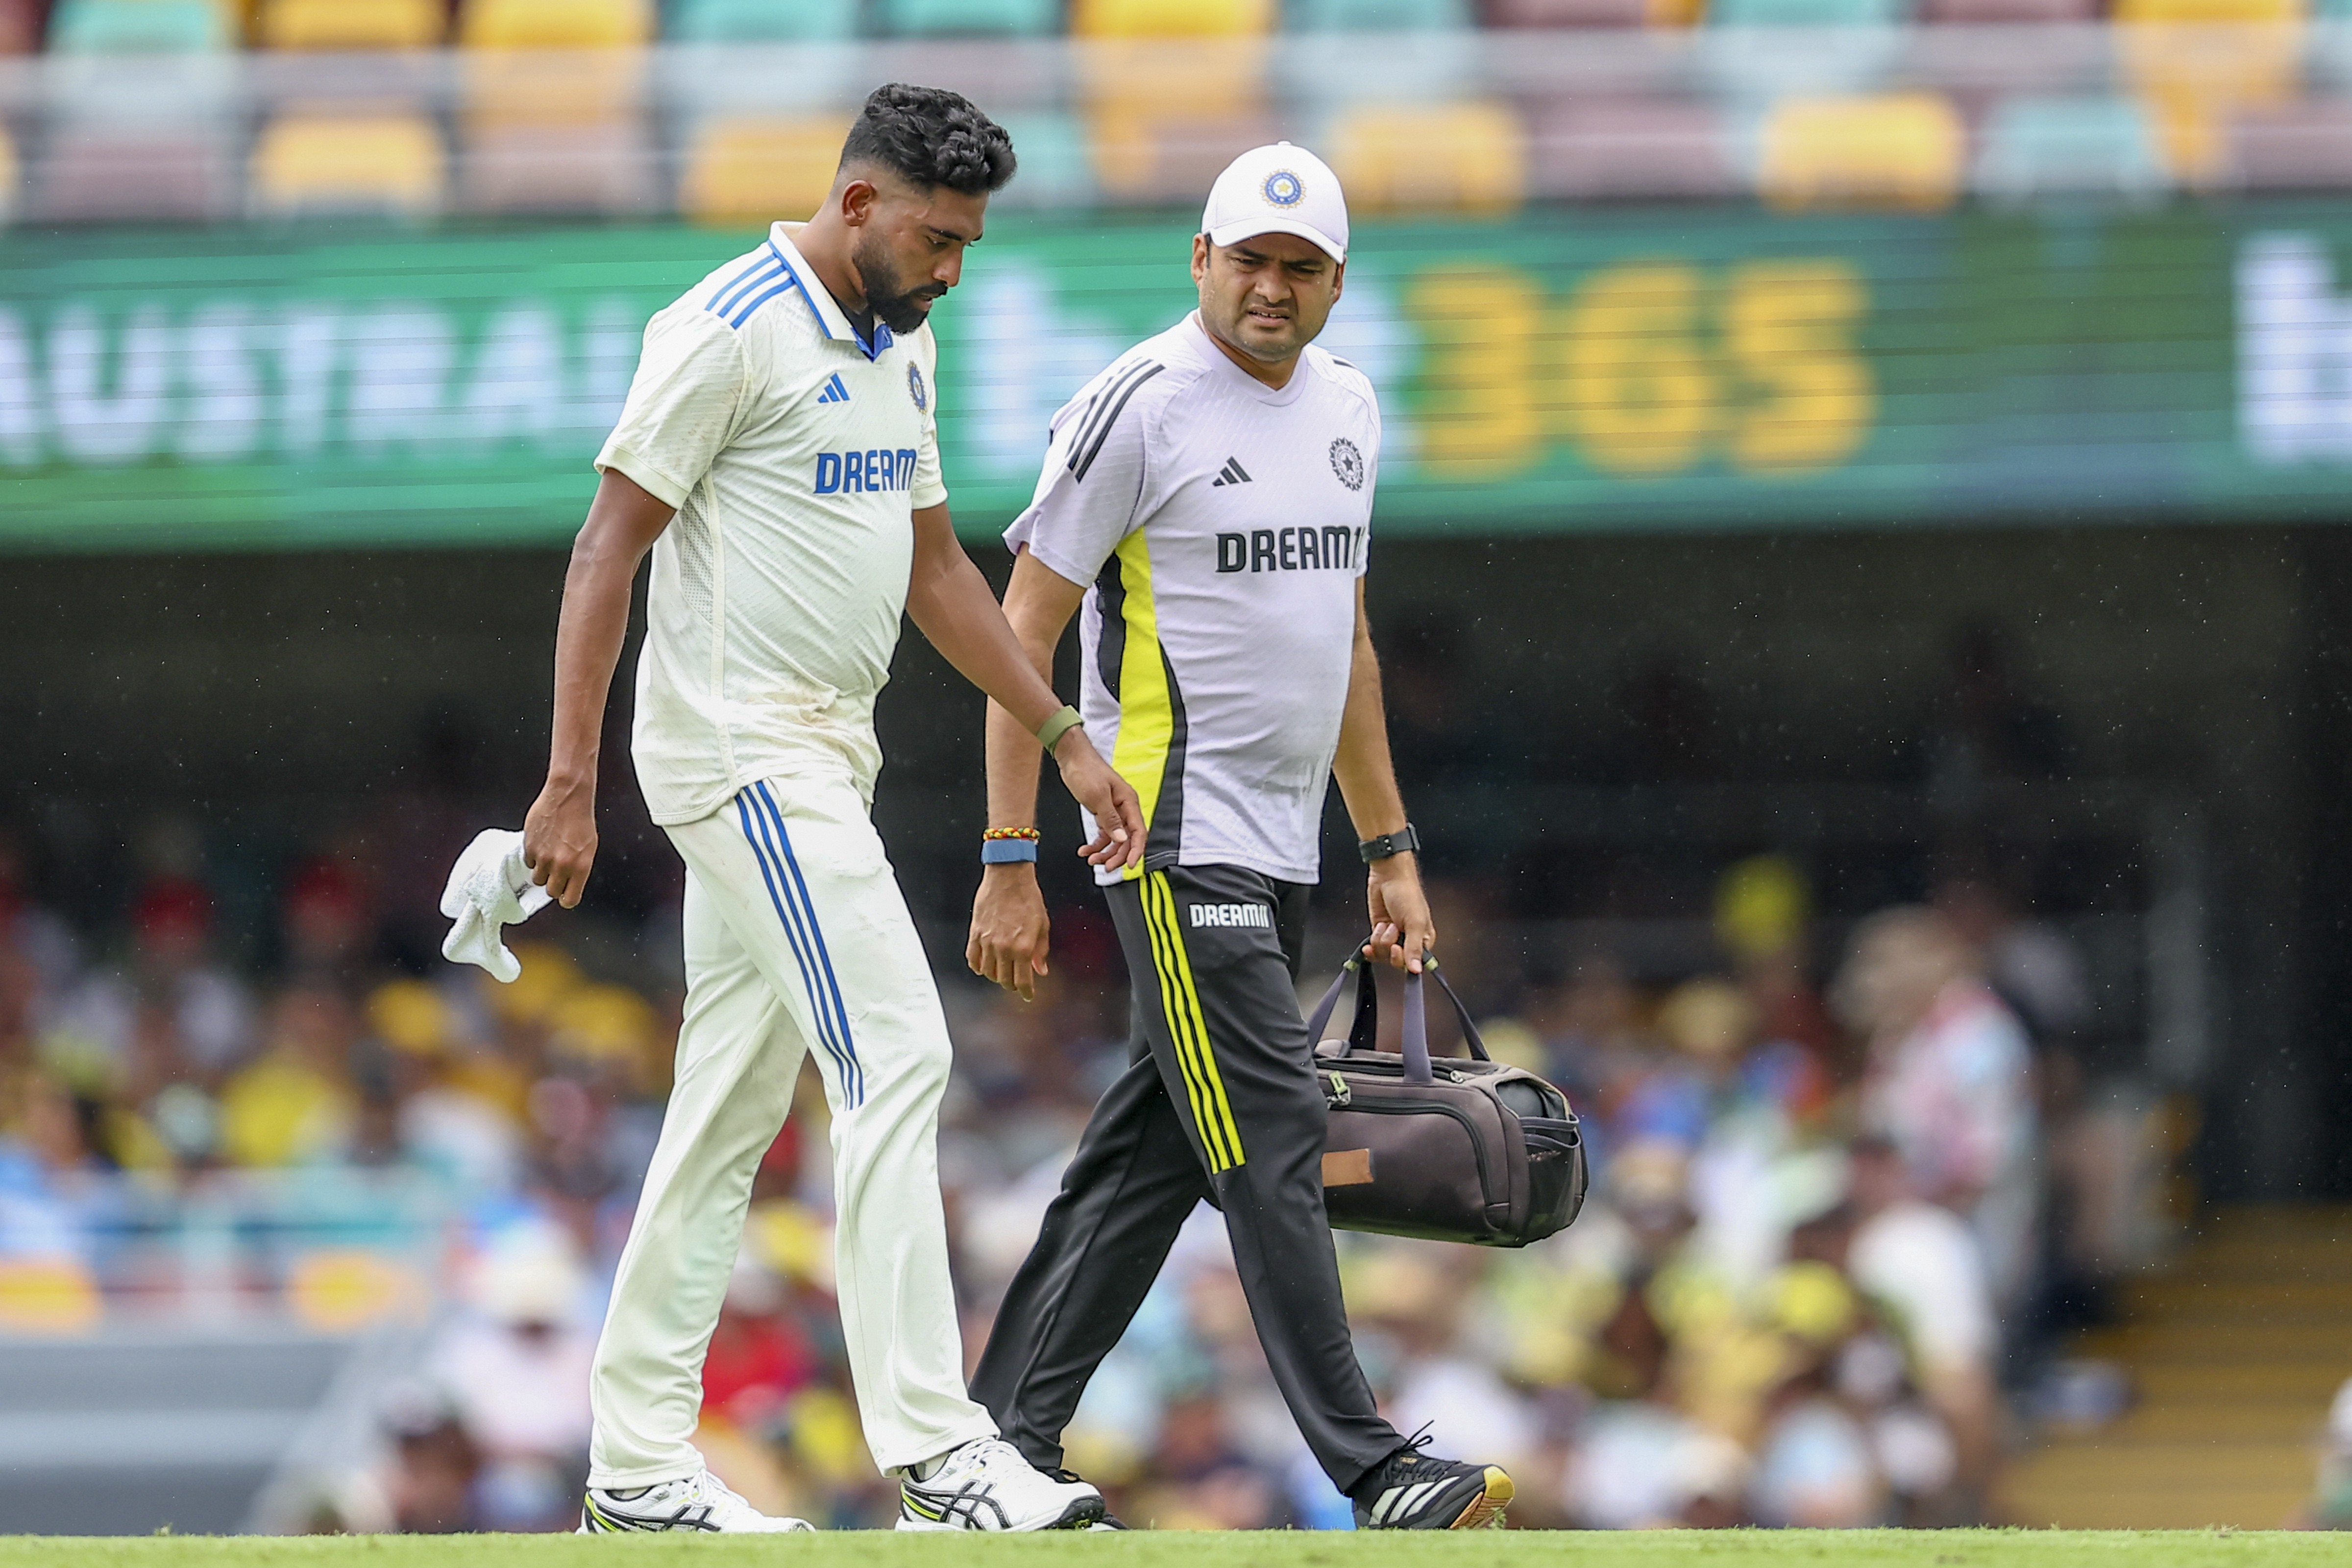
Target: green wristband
x,y
1050,733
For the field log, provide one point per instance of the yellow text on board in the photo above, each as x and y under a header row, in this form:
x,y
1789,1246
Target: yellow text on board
x,y
1645,369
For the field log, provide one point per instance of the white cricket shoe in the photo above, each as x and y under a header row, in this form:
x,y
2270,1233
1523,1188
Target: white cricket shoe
x,y
698,1502
985,1484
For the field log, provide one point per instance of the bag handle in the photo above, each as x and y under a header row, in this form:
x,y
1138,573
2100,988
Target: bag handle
x,y
1416,1033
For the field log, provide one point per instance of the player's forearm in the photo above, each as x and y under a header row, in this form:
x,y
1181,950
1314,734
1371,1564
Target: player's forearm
x,y
1038,605
1015,765
950,605
622,525
588,639
1363,766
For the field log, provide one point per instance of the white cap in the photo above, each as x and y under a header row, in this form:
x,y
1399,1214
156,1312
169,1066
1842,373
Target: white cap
x,y
1280,189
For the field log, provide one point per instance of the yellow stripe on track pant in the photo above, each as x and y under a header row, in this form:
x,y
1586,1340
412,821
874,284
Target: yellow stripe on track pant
x,y
1180,999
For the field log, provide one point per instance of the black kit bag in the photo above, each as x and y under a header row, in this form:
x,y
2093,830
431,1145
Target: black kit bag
x,y
1459,1149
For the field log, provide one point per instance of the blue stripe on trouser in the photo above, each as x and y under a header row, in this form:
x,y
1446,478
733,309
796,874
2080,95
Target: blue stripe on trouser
x,y
816,932
786,915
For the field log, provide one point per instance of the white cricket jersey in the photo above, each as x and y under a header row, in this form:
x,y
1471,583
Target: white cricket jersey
x,y
795,454
1223,523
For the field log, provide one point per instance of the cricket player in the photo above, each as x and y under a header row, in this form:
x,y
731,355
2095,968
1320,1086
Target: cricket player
x,y
778,456
1213,490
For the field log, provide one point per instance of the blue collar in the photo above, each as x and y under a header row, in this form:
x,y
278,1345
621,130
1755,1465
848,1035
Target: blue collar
x,y
873,349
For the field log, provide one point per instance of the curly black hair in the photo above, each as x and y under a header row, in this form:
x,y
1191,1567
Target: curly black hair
x,y
931,137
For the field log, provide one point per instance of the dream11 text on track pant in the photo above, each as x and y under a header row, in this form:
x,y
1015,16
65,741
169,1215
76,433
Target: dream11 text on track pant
x,y
797,938
1220,1100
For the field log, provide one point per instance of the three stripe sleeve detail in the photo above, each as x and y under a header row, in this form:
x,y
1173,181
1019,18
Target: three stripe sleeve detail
x,y
741,298
1103,414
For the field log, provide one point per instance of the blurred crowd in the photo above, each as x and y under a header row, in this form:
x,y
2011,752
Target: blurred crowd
x,y
1832,1230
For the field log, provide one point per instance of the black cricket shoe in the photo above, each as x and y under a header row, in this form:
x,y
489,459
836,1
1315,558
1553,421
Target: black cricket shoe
x,y
1410,1491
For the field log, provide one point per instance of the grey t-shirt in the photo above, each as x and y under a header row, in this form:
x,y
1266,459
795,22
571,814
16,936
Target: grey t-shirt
x,y
1223,523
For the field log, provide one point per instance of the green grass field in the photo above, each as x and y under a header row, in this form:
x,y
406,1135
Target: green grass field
x,y
1486,1549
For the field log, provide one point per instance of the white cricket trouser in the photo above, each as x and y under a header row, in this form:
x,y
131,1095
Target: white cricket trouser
x,y
796,936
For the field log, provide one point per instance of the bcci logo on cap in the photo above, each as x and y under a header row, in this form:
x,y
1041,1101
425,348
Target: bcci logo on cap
x,y
1282,189
915,388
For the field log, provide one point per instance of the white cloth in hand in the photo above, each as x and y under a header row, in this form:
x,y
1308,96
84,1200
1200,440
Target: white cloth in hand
x,y
490,889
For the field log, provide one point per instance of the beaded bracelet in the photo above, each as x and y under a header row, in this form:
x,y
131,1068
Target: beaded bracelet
x,y
1007,846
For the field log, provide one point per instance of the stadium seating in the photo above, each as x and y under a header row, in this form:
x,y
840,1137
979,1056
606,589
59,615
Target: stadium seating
x,y
2290,147
20,27
388,164
1804,102
761,21
101,173
342,1290
756,170
352,24
1169,158
2197,62
1549,14
2032,148
2136,13
1171,18
1375,16
972,18
510,86
555,23
2007,13
600,166
1900,150
1761,64
1163,117
1806,12
1611,149
1056,167
1469,156
138,27
48,1296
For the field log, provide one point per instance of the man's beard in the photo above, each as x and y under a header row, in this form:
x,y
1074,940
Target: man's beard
x,y
896,305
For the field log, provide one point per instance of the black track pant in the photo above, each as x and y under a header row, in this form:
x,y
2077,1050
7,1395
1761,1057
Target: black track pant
x,y
1220,1101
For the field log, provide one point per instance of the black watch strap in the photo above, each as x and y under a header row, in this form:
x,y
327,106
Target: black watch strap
x,y
1399,842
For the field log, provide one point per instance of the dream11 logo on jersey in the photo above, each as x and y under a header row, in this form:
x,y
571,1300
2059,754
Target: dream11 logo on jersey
x,y
1332,548
858,473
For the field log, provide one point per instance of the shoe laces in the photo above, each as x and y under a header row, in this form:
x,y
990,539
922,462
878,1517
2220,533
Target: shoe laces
x,y
985,1456
1413,1452
707,1487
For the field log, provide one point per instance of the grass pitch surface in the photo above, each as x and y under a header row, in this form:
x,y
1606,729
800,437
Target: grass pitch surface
x,y
1482,1549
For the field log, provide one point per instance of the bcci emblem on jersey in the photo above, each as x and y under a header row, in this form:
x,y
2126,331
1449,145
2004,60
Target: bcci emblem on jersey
x,y
1348,463
915,387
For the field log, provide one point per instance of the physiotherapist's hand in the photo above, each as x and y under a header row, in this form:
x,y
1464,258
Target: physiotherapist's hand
x,y
1403,930
1009,929
1119,815
559,840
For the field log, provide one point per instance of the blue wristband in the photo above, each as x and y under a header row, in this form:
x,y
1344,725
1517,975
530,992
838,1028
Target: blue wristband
x,y
1007,851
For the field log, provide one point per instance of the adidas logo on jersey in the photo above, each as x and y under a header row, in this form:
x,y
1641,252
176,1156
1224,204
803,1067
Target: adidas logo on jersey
x,y
834,390
1253,915
1232,473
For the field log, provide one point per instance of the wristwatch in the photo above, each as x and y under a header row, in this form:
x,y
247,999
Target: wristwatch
x,y
1399,843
